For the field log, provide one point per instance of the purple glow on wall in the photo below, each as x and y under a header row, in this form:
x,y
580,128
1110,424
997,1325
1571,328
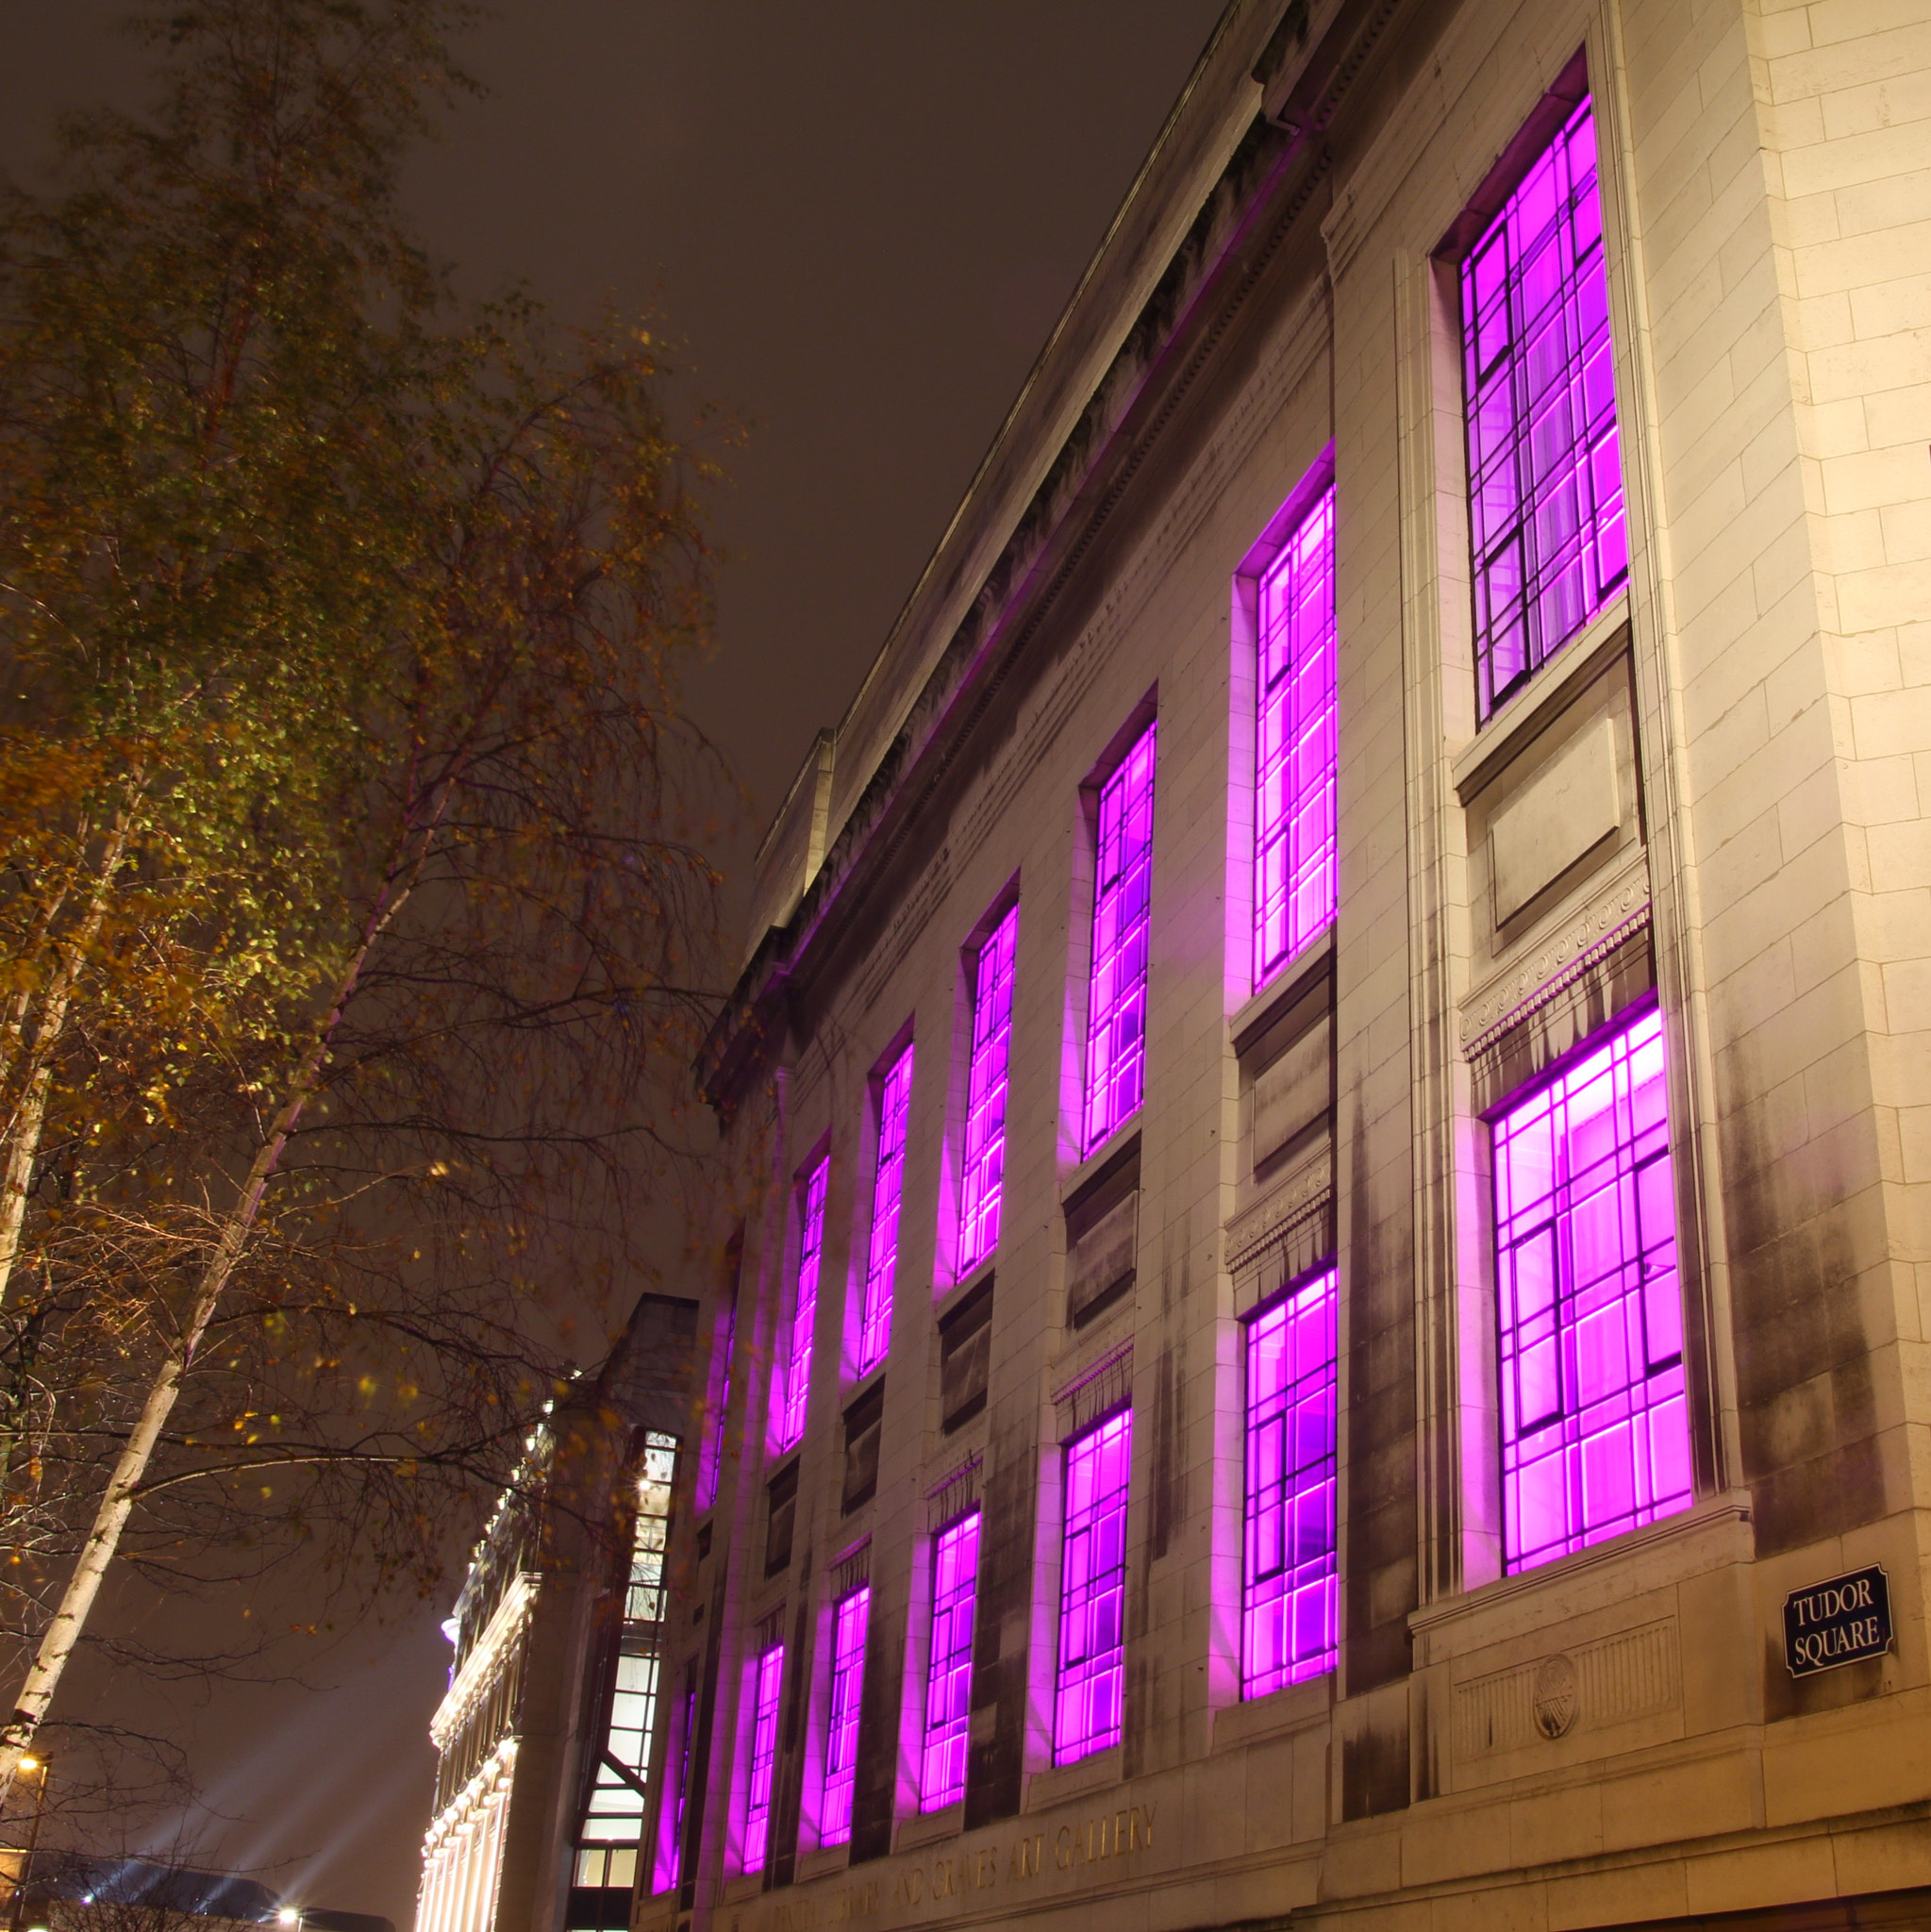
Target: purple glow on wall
x,y
1294,743
710,1459
768,1677
1116,991
881,1253
982,1170
1595,1432
1545,484
949,1676
793,1381
1093,1592
848,1623
671,1807
1288,1580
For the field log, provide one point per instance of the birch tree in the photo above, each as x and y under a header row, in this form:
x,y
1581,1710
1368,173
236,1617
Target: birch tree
x,y
353,935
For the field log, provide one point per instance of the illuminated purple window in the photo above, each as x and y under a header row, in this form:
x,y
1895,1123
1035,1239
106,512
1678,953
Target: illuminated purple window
x,y
1545,486
949,1678
671,1819
982,1173
1595,1434
848,1623
1288,1580
710,1460
888,1187
794,1377
768,1677
1093,1592
1294,756
1116,993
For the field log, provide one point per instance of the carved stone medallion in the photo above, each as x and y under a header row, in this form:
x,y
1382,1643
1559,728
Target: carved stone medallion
x,y
1554,1698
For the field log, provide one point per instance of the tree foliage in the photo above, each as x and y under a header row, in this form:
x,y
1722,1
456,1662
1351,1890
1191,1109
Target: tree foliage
x,y
351,927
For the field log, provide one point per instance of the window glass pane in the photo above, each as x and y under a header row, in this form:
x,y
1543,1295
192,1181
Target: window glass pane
x,y
1116,991
982,1170
792,1385
768,1675
1595,1427
848,1625
1093,1592
1294,743
949,1678
1288,1580
881,1255
1545,486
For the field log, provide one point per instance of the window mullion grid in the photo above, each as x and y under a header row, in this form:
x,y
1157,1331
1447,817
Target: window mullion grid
x,y
881,1253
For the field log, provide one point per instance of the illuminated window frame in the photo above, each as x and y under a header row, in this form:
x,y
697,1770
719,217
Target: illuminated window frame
x,y
613,1812
1287,1580
1116,981
982,1168
711,1457
767,1680
1296,750
888,1191
1548,538
949,1669
1087,1700
676,1791
793,1391
850,1619
1595,1425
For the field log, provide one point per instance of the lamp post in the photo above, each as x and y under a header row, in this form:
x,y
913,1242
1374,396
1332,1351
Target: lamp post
x,y
33,1840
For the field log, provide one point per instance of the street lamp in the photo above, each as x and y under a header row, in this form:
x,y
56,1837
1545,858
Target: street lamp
x,y
33,1840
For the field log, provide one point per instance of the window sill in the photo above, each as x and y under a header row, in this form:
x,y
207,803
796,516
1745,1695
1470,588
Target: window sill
x,y
1284,987
928,1827
1112,1148
746,1884
1713,1534
1054,1786
822,1862
1297,1709
1578,663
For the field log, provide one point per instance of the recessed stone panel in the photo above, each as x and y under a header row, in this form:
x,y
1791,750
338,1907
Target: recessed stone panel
x,y
1570,806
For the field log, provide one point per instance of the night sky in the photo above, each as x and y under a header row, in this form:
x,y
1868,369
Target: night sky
x,y
861,220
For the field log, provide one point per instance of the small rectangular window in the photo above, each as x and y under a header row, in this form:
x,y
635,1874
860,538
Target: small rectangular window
x,y
1546,522
848,1625
1596,1431
949,1675
965,1358
677,1788
780,1518
1116,985
1294,741
792,1384
864,1426
767,1680
982,1169
711,1456
1288,1582
888,1187
1092,1591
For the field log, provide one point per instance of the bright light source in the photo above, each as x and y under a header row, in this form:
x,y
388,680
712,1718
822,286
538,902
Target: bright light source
x,y
289,1915
29,1764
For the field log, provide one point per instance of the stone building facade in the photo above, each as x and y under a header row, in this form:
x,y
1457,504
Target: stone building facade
x,y
1331,1095
543,1739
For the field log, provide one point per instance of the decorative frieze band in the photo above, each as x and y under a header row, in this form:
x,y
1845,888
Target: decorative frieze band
x,y
1628,1675
953,1494
1105,1386
1302,1192
1620,909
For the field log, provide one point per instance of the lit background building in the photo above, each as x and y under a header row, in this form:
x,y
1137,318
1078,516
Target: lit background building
x,y
544,1739
1331,1069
